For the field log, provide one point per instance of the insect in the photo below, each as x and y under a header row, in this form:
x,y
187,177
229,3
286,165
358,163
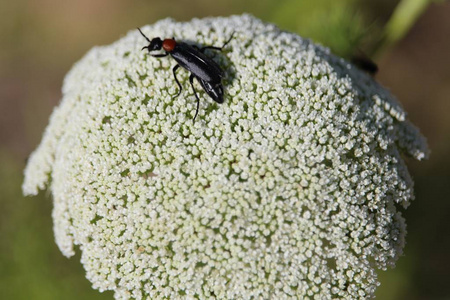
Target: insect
x,y
193,59
364,63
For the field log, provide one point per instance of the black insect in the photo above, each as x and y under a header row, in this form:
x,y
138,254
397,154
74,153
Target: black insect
x,y
193,59
364,63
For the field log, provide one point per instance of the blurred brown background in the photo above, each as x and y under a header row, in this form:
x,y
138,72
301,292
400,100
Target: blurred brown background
x,y
42,39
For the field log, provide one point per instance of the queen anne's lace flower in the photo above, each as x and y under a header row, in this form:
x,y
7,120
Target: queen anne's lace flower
x,y
291,188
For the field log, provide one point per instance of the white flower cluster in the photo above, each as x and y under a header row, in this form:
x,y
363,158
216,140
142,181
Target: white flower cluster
x,y
289,189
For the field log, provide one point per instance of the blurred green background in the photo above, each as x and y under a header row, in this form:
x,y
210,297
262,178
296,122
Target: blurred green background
x,y
41,40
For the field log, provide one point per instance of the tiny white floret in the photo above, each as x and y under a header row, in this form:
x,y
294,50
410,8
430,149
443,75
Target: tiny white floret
x,y
289,189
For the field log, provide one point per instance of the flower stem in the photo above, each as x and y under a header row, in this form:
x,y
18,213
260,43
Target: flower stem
x,y
404,17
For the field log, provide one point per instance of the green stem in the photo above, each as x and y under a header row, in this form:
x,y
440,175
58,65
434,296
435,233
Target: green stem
x,y
404,17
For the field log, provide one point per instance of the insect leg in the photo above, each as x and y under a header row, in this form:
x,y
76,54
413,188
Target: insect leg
x,y
217,48
229,40
158,55
202,49
174,70
191,80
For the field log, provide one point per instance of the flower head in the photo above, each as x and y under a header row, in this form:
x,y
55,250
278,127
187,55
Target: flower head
x,y
290,188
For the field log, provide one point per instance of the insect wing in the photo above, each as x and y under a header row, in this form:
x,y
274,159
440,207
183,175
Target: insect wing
x,y
215,91
197,63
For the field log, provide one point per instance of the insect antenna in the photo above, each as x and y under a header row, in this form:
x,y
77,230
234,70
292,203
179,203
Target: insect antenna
x,y
144,36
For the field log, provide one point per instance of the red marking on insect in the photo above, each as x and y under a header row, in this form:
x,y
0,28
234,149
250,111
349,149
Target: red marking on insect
x,y
169,44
